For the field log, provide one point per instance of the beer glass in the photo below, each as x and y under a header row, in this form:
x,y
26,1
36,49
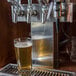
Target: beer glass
x,y
23,49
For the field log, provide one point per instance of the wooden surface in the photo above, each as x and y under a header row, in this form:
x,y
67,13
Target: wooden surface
x,y
9,31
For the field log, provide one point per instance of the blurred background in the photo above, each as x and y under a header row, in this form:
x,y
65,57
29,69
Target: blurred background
x,y
9,31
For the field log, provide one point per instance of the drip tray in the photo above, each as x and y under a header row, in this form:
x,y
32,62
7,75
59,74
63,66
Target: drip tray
x,y
11,70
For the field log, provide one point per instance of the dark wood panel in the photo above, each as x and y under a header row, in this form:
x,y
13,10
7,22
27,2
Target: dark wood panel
x,y
74,1
8,32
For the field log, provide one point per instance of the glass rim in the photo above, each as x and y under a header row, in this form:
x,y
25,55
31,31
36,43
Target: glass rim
x,y
19,39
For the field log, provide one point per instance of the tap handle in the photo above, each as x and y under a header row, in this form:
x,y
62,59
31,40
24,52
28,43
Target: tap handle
x,y
14,14
44,14
29,10
50,10
28,18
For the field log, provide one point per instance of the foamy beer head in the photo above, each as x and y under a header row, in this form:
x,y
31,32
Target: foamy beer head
x,y
23,49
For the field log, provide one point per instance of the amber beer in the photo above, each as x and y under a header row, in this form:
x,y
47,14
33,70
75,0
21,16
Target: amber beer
x,y
42,45
23,55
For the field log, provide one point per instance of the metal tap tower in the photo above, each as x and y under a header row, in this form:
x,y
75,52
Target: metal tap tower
x,y
41,16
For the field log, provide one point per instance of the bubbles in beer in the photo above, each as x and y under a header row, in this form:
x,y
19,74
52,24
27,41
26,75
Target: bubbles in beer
x,y
23,44
23,55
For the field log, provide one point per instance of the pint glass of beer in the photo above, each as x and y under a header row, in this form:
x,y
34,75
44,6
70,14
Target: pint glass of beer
x,y
23,49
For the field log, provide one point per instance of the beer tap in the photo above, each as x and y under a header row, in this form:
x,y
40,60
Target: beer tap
x,y
39,11
57,4
17,9
32,11
44,14
29,11
44,5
